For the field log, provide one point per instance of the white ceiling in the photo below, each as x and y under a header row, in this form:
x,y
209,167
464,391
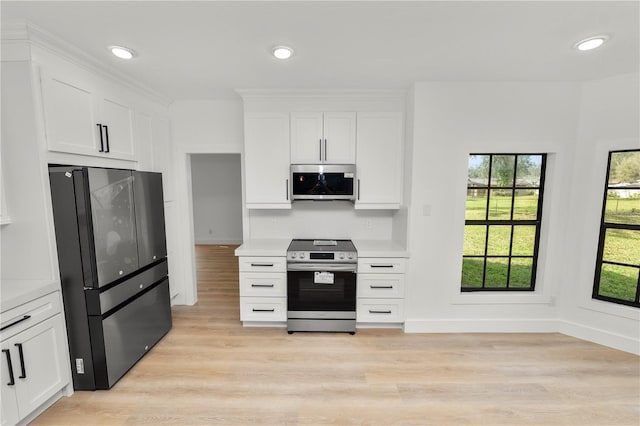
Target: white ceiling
x,y
205,49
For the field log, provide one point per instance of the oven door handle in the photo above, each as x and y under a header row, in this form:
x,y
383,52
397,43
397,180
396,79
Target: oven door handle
x,y
322,267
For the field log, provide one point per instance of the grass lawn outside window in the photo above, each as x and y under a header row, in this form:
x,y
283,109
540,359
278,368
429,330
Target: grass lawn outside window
x,y
502,221
617,277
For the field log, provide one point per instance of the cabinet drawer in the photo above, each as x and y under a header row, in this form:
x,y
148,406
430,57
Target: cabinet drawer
x,y
388,265
380,310
380,285
263,264
263,308
31,313
263,284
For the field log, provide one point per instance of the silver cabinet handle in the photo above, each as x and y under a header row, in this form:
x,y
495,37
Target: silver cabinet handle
x,y
264,310
325,150
262,285
371,311
286,188
380,286
320,149
358,189
381,265
262,264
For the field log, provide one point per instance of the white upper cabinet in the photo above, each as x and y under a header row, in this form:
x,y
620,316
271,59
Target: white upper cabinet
x,y
379,160
71,128
116,118
318,137
85,115
266,160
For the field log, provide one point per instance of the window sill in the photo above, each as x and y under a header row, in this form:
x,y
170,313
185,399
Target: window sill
x,y
500,298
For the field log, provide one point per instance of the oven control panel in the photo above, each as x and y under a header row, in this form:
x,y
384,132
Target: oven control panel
x,y
322,256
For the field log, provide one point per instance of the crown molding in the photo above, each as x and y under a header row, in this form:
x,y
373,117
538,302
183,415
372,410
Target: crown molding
x,y
274,94
24,31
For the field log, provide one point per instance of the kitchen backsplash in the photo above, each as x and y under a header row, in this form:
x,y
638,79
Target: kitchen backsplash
x,y
321,219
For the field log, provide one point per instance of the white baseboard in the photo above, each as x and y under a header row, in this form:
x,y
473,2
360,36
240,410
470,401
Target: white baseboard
x,y
600,337
215,241
481,326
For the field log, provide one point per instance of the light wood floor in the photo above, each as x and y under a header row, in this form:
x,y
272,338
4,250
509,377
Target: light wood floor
x,y
209,370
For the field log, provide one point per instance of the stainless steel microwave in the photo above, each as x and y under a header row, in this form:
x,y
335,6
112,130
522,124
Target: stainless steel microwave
x,y
323,181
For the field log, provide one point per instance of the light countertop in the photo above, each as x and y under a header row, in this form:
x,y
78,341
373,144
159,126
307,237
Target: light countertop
x,y
380,248
278,247
17,292
264,247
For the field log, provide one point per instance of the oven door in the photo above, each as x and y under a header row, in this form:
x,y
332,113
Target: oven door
x,y
317,287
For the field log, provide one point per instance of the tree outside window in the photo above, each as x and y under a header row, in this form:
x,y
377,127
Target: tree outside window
x,y
502,221
617,277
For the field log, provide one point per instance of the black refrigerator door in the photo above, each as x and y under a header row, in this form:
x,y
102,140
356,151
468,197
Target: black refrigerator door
x,y
149,205
113,223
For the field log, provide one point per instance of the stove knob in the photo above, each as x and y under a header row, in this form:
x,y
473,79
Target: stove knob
x,y
350,255
294,255
301,255
341,255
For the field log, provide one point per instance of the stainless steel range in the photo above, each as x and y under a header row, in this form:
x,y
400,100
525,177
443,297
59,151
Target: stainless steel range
x,y
321,286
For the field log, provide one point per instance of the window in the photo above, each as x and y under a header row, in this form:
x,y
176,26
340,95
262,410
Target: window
x,y
502,222
617,276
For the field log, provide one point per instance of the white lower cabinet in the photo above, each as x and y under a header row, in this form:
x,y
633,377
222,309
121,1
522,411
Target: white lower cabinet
x,y
380,290
263,289
379,310
34,363
263,309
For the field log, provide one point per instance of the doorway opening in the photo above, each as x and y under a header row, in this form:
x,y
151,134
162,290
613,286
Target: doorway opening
x,y
216,186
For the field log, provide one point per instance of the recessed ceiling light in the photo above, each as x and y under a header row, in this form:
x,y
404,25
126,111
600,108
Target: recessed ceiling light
x,y
590,43
282,52
122,52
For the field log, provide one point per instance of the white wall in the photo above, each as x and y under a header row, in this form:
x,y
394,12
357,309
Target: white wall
x,y
322,219
216,181
198,127
28,243
452,120
609,120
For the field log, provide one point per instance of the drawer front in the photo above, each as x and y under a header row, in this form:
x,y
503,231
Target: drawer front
x,y
381,285
388,265
380,310
263,308
263,284
31,313
263,264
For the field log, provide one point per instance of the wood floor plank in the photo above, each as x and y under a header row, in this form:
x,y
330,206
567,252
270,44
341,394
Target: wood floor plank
x,y
209,370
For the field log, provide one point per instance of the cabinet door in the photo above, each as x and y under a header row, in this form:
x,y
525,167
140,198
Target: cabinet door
x,y
117,116
379,160
143,140
45,363
149,208
9,414
70,114
266,160
307,143
160,137
339,142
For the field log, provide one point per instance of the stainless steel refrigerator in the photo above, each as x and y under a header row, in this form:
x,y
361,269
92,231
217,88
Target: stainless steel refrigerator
x,y
112,253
